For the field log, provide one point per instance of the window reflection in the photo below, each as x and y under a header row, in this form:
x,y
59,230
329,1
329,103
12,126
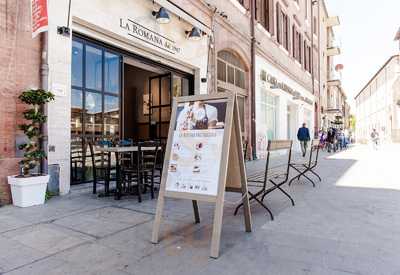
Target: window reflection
x,y
77,53
221,71
76,112
185,87
94,105
231,70
93,116
165,90
176,86
93,68
111,115
111,73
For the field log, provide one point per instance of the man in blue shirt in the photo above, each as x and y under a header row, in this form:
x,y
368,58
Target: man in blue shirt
x,y
303,135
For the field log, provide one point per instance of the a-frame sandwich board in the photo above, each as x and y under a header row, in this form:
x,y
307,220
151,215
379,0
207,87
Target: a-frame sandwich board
x,y
224,159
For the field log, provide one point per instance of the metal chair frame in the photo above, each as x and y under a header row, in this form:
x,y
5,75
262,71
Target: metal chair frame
x,y
261,179
304,168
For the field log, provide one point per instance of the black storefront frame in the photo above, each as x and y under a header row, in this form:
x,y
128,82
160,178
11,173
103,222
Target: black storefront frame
x,y
85,40
102,92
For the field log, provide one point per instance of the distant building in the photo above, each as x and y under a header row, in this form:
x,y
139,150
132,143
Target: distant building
x,y
378,104
332,97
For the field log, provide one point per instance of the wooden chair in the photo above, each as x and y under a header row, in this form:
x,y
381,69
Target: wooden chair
x,y
159,164
101,163
76,161
302,168
138,173
276,175
130,174
149,151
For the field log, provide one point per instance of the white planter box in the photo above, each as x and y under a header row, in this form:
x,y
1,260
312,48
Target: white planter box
x,y
28,191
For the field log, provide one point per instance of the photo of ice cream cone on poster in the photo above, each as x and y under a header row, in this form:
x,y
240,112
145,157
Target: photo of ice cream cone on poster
x,y
197,147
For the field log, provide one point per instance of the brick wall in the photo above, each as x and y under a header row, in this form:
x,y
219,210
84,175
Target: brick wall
x,y
20,69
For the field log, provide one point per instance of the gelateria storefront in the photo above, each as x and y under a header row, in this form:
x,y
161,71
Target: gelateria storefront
x,y
128,59
282,106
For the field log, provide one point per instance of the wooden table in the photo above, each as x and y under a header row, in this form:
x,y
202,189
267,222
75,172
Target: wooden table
x,y
118,151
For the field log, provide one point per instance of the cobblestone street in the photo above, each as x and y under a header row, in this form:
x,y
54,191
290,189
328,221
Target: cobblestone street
x,y
348,224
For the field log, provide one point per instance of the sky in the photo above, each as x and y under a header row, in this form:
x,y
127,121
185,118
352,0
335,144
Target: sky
x,y
366,38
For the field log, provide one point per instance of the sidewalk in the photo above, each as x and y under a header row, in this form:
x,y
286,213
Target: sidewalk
x,y
348,224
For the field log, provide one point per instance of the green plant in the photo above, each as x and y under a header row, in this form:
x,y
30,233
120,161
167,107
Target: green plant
x,y
352,122
32,128
49,195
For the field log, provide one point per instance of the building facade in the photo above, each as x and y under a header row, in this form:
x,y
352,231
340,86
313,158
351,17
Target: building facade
x,y
230,59
114,69
378,104
117,71
20,57
286,75
332,95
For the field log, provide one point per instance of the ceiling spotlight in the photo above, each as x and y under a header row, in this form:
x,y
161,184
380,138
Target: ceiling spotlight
x,y
195,34
162,16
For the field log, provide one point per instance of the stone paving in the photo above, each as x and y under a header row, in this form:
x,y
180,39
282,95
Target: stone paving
x,y
348,224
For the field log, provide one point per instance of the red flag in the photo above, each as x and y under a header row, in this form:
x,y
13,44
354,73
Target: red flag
x,y
40,21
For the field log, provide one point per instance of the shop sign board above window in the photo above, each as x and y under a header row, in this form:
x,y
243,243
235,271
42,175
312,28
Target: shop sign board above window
x,y
146,35
283,86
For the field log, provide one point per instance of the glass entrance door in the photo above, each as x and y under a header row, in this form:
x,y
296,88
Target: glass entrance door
x,y
162,89
160,106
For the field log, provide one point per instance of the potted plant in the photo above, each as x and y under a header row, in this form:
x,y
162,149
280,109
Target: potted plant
x,y
29,188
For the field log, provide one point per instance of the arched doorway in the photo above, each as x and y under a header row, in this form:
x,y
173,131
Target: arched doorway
x,y
232,75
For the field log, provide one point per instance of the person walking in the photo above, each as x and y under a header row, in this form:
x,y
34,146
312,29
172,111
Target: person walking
x,y
340,139
303,135
346,134
322,140
331,140
375,139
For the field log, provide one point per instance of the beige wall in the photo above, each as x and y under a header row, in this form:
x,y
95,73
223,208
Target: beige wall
x,y
377,104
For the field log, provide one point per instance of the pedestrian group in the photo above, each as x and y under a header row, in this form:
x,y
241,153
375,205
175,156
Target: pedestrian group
x,y
332,140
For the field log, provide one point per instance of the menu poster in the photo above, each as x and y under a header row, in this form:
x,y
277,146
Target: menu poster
x,y
196,152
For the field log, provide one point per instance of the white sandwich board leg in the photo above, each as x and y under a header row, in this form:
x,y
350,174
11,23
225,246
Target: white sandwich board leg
x,y
217,226
246,208
158,217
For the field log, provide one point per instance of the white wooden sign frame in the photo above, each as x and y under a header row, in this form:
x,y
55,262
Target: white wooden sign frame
x,y
232,173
